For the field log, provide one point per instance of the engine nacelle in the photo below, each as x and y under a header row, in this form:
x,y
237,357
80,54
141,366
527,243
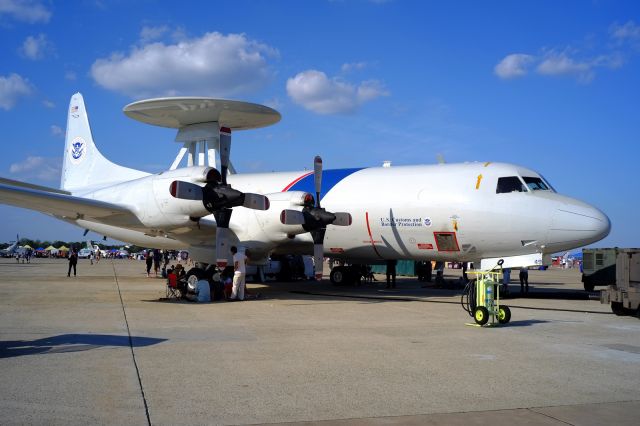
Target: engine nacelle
x,y
154,205
268,225
179,209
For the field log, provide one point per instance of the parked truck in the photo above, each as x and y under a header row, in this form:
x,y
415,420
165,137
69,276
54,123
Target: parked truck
x,y
599,267
624,294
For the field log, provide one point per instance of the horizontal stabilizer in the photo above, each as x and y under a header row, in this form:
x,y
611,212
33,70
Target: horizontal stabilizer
x,y
17,183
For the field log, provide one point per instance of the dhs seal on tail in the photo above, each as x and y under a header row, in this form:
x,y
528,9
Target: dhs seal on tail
x,y
77,150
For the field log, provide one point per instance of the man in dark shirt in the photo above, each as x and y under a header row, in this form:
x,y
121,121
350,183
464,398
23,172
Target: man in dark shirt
x,y
73,261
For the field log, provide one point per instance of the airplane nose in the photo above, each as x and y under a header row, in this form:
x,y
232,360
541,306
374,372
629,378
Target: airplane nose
x,y
581,223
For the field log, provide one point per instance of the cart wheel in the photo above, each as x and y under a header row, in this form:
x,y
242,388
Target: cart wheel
x,y
504,314
617,308
481,315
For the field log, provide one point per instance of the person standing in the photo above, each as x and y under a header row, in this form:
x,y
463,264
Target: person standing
x,y
237,293
391,273
506,279
524,280
148,258
157,257
73,261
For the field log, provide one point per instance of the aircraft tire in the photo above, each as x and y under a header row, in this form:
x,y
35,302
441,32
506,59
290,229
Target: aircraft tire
x,y
340,276
198,272
504,315
618,309
481,315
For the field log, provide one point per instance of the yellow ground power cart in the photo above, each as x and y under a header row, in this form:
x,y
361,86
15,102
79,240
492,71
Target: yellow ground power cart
x,y
481,298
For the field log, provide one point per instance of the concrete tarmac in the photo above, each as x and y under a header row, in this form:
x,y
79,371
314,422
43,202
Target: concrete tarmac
x,y
101,348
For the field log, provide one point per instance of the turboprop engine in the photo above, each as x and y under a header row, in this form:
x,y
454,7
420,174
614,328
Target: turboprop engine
x,y
160,209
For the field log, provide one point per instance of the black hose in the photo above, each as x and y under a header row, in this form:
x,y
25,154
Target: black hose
x,y
469,292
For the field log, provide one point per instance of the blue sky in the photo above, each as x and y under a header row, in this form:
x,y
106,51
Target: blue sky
x,y
554,86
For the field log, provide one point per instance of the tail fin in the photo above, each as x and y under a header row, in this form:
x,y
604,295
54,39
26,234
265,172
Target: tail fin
x,y
83,166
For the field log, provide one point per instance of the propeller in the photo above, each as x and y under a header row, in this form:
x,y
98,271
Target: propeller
x,y
315,219
219,198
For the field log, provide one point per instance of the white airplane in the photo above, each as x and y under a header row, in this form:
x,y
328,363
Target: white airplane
x,y
87,250
476,212
10,251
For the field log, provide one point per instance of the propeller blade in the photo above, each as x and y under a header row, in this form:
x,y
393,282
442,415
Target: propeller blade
x,y
318,260
317,177
342,219
223,249
225,152
292,217
185,190
255,201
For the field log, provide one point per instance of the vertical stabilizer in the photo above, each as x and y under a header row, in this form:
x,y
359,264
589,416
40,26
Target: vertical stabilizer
x,y
83,167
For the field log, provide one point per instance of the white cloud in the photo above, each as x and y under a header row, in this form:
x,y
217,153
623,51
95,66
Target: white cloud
x,y
353,66
212,65
36,48
148,34
581,62
56,130
70,75
514,65
48,104
34,167
30,11
562,64
316,92
628,31
12,88
554,63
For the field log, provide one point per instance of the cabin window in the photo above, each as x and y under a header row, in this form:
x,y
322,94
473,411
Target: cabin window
x,y
446,241
535,183
510,184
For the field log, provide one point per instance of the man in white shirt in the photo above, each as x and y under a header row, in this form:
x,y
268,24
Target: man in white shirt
x,y
237,293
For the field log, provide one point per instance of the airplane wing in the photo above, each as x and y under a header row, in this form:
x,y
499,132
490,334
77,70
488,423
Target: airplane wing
x,y
65,206
11,182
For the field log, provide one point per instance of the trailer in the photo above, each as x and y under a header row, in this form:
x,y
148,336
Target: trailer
x,y
599,267
624,295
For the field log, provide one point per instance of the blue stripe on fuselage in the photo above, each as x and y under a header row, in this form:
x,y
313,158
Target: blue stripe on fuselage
x,y
329,179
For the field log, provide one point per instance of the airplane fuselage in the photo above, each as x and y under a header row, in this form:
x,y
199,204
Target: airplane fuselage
x,y
427,212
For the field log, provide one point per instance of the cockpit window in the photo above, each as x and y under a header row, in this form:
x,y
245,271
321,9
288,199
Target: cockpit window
x,y
510,184
546,181
535,183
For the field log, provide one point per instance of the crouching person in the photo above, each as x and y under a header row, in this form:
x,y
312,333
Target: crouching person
x,y
202,293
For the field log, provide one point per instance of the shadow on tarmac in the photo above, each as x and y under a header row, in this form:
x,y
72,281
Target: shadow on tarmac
x,y
525,323
71,343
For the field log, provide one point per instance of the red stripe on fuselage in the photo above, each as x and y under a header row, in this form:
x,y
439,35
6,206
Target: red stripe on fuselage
x,y
373,244
286,188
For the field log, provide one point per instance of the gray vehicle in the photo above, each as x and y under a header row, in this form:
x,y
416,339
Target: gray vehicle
x,y
624,294
599,267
